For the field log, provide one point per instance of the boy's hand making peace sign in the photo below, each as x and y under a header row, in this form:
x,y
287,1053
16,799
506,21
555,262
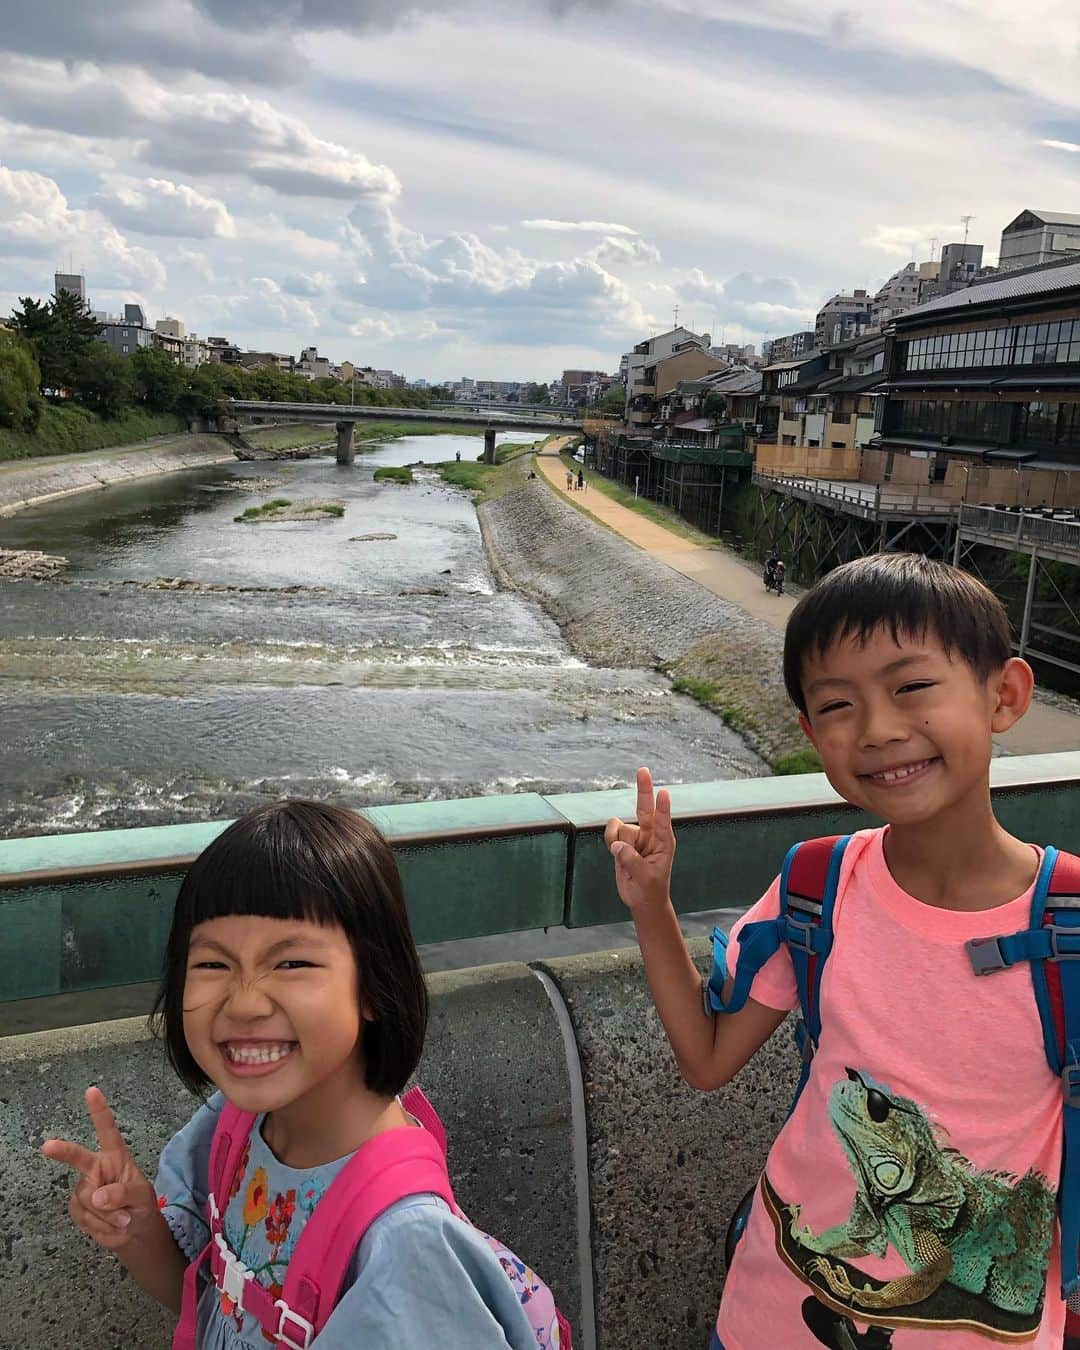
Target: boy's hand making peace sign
x,y
644,852
111,1194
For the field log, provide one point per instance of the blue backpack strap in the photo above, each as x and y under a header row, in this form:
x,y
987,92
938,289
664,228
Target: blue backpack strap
x,y
1051,943
808,881
808,887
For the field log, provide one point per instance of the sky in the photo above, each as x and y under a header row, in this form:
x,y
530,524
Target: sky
x,y
507,188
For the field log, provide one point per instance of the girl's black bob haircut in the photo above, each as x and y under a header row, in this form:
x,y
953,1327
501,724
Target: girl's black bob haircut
x,y
908,596
308,860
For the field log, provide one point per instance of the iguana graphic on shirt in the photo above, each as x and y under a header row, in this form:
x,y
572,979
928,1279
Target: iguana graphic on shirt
x,y
976,1243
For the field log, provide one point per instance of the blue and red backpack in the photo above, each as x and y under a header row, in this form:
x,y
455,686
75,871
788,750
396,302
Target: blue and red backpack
x,y
1050,945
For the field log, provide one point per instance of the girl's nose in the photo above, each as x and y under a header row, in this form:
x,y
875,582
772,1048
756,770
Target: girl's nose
x,y
246,1000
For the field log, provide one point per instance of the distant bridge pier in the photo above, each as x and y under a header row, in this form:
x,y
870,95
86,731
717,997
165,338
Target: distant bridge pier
x,y
489,446
345,442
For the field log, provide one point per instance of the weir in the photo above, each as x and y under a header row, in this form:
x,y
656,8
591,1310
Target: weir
x,y
571,1135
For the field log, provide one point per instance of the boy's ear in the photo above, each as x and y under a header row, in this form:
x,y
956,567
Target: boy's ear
x,y
1015,686
808,730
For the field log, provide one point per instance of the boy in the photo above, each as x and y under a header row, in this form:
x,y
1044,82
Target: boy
x,y
909,1199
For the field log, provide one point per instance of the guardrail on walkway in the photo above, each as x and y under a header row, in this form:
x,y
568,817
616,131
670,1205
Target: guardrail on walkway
x,y
870,500
1026,529
89,911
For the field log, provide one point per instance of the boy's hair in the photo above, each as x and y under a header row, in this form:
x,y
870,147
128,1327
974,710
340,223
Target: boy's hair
x,y
308,860
906,594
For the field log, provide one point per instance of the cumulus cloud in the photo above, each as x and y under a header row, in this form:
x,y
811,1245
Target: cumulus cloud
x,y
36,222
214,132
613,251
159,206
899,240
581,226
757,303
306,283
1070,146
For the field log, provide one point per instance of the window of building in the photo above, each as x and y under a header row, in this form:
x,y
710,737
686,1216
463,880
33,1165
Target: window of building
x,y
124,349
125,333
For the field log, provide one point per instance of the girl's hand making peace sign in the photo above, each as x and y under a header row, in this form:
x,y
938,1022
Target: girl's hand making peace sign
x,y
644,852
111,1194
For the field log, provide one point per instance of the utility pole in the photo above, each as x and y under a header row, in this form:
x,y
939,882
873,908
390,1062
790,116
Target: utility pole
x,y
676,316
933,249
966,222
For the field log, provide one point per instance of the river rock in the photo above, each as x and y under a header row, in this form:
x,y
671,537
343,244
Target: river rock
x,y
242,485
214,587
307,508
30,564
367,538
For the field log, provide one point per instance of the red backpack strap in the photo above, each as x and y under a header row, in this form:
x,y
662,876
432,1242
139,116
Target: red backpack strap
x,y
386,1169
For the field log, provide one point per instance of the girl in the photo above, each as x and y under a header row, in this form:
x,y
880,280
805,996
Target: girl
x,y
293,986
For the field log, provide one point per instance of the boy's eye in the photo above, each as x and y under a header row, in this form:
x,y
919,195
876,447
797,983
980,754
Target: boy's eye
x,y
915,685
835,706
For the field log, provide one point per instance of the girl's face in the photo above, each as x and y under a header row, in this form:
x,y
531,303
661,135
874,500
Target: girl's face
x,y
272,1008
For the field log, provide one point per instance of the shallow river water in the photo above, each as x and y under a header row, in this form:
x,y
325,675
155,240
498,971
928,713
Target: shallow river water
x,y
400,672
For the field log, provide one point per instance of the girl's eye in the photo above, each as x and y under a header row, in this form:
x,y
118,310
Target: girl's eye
x,y
209,965
292,964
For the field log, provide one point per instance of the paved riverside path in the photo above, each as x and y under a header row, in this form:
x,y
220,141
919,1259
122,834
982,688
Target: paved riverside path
x,y
1046,727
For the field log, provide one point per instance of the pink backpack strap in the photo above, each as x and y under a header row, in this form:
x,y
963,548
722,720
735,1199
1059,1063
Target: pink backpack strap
x,y
393,1165
419,1107
231,1133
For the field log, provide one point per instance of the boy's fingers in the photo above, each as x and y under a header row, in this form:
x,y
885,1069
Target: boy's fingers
x,y
644,796
662,827
105,1127
71,1155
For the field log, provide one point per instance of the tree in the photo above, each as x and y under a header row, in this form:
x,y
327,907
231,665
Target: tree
x,y
715,407
60,332
104,381
158,380
20,378
537,393
35,323
614,400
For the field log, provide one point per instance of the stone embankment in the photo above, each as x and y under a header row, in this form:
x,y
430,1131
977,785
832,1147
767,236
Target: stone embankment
x,y
32,482
30,564
619,607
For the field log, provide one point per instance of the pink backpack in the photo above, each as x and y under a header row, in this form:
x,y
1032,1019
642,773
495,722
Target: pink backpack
x,y
386,1169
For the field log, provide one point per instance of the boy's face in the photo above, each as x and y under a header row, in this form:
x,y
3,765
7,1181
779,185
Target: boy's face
x,y
903,728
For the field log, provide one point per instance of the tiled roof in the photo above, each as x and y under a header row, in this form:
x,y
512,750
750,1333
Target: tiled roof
x,y
1007,286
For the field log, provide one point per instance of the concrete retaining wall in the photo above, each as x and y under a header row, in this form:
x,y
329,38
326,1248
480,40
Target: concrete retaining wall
x,y
571,1135
35,482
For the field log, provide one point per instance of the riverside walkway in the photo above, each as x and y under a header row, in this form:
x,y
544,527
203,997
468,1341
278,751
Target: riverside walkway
x,y
1046,727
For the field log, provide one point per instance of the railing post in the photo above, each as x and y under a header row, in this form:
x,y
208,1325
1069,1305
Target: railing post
x,y
1029,595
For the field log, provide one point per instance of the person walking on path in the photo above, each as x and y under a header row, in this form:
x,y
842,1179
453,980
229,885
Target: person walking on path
x,y
569,480
581,480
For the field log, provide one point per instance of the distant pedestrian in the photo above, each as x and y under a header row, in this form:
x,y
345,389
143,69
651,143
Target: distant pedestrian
x,y
569,480
580,480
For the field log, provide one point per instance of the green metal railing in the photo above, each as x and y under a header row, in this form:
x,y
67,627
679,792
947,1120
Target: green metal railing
x,y
90,911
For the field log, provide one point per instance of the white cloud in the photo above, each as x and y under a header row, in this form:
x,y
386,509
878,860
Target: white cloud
x,y
159,206
901,240
36,222
580,226
758,304
1070,146
614,251
306,283
211,132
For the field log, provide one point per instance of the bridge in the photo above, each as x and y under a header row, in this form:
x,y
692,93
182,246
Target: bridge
x,y
345,416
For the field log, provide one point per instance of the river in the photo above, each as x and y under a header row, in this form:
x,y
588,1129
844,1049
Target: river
x,y
398,672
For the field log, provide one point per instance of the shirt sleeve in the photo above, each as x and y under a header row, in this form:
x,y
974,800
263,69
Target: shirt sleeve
x,y
183,1179
774,984
424,1277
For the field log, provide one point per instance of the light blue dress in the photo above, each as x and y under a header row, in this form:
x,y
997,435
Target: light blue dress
x,y
420,1276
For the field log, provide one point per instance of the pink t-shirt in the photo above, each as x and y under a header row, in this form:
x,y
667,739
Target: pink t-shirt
x,y
925,1152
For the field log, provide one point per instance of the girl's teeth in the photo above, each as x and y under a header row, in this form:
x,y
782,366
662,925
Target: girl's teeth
x,y
263,1054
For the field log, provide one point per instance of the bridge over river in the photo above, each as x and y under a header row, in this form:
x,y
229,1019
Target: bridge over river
x,y
345,416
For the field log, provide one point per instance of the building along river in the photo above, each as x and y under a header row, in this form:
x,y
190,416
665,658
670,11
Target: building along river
x,y
186,667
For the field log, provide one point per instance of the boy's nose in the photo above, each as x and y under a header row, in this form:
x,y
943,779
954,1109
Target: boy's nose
x,y
881,723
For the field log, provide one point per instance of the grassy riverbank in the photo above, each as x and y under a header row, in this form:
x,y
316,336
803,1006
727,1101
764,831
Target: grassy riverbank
x,y
489,481
70,430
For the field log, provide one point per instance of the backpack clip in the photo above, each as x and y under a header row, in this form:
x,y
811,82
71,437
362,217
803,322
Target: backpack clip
x,y
985,955
799,933
304,1327
1069,934
1070,1082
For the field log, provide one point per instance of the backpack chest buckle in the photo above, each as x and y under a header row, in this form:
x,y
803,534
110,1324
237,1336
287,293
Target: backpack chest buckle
x,y
234,1274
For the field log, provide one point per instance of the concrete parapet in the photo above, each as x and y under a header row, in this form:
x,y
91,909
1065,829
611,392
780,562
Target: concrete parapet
x,y
667,1165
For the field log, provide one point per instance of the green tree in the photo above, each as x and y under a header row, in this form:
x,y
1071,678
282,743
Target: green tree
x,y
20,378
614,400
715,407
104,381
158,380
60,332
537,393
35,323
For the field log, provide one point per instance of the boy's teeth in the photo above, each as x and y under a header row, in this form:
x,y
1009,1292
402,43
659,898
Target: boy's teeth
x,y
890,775
260,1054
